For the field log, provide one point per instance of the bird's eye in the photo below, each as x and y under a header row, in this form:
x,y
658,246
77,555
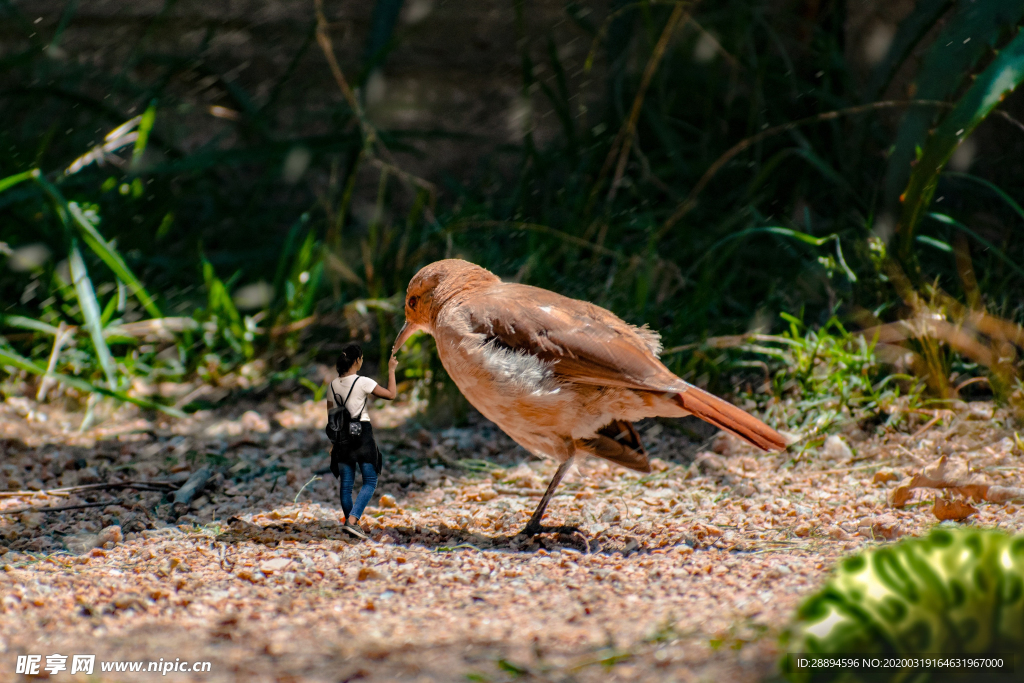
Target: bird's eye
x,y
411,303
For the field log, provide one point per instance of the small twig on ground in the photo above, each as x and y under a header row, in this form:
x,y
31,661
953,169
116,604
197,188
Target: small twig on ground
x,y
508,491
194,485
625,505
63,334
314,478
586,541
916,460
62,507
223,556
613,656
851,469
927,425
68,490
533,493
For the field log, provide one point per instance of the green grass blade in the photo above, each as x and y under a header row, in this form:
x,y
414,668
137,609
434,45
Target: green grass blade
x,y
145,127
110,256
108,311
23,323
284,261
379,42
768,170
222,306
999,79
306,254
561,100
65,20
12,180
316,274
12,359
996,251
70,213
850,275
973,31
220,300
932,242
910,32
91,313
784,232
992,186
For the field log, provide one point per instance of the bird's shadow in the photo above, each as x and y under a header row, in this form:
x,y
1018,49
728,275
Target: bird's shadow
x,y
441,539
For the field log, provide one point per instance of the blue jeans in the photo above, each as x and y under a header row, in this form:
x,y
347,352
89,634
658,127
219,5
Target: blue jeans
x,y
348,479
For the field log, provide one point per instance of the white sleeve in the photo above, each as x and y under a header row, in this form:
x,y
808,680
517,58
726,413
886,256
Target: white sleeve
x,y
368,385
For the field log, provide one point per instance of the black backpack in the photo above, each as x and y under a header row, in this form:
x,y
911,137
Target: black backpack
x,y
341,428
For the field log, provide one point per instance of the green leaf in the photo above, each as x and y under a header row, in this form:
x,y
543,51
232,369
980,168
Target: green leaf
x,y
10,358
91,313
319,390
165,225
108,310
380,40
768,169
996,251
222,306
109,255
561,100
972,32
145,128
511,668
1002,75
932,242
12,180
71,214
785,232
21,322
316,274
286,253
992,186
910,32
219,299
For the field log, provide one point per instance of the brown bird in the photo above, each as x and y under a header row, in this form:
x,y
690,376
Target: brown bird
x,y
562,377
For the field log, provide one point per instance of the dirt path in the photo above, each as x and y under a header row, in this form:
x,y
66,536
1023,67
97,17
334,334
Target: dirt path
x,y
687,574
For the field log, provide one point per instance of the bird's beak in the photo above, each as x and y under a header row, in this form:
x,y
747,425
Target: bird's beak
x,y
408,330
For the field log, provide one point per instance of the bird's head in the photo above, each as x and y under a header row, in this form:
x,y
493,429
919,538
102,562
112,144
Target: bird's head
x,y
435,286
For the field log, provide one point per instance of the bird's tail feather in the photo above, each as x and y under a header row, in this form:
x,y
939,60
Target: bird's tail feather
x,y
725,415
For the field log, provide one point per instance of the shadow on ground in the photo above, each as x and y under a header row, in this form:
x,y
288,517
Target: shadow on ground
x,y
444,538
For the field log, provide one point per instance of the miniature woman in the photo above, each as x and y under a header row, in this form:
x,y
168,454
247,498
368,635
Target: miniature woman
x,y
353,391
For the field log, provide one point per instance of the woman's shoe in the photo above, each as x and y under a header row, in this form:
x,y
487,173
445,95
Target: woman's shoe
x,y
354,530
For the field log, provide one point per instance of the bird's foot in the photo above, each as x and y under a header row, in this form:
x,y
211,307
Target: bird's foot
x,y
534,530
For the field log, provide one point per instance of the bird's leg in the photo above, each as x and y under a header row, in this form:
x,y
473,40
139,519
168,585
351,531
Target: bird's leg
x,y
533,527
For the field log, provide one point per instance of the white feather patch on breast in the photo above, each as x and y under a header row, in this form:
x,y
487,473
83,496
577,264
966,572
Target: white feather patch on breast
x,y
516,372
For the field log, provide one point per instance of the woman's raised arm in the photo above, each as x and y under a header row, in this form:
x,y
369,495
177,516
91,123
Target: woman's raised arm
x,y
391,391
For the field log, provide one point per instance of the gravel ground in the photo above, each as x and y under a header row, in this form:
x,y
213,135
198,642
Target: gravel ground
x,y
687,574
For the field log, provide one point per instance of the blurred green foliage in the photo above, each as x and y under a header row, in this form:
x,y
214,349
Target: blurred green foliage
x,y
742,163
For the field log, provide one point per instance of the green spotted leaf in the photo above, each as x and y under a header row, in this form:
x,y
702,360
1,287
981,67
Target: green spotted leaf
x,y
952,592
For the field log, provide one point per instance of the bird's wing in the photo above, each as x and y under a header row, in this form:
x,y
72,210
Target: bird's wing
x,y
578,341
